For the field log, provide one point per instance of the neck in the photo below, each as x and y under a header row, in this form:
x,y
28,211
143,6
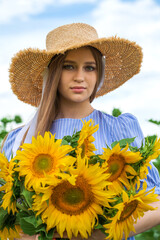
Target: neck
x,y
75,110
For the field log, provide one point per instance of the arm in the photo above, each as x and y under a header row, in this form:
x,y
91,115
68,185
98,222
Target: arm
x,y
149,220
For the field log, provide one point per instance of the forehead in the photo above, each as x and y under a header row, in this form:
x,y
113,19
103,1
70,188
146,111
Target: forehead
x,y
80,53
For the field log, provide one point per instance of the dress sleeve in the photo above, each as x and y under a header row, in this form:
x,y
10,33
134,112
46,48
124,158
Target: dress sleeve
x,y
127,126
8,144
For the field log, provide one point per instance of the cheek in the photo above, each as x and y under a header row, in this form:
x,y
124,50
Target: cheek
x,y
94,81
65,79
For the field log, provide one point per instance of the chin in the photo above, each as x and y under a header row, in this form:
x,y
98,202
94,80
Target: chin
x,y
80,100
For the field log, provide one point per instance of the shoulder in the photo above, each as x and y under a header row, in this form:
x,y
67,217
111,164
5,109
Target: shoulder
x,y
122,120
126,120
13,133
9,141
124,126
127,126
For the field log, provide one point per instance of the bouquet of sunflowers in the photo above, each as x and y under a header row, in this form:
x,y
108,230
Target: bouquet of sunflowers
x,y
60,185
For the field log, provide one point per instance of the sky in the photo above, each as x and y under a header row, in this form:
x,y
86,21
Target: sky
x,y
25,23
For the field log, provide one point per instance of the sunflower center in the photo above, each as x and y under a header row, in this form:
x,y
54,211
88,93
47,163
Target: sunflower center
x,y
116,165
72,199
42,163
128,210
74,196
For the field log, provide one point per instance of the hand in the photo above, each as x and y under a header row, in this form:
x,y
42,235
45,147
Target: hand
x,y
26,237
98,235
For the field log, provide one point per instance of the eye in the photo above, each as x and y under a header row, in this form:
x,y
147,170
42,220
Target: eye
x,y
68,67
90,68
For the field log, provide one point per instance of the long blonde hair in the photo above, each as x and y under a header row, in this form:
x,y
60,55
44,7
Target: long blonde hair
x,y
49,105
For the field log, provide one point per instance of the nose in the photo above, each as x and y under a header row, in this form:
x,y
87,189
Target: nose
x,y
79,75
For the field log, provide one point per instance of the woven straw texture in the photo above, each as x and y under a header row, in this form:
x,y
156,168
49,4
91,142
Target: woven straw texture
x,y
123,60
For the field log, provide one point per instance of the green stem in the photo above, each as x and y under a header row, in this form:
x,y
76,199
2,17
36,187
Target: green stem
x,y
21,207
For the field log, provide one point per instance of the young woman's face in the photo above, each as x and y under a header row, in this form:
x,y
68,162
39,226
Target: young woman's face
x,y
79,76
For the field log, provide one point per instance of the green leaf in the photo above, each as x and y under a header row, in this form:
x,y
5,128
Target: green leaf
x,y
1,196
17,119
2,181
3,216
64,142
67,138
100,227
154,121
95,159
151,139
116,112
50,235
30,224
153,233
27,195
44,235
123,142
22,214
157,164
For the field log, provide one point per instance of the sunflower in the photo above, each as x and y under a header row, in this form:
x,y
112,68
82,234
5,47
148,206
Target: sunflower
x,y
74,208
129,211
44,156
85,146
6,173
10,233
118,163
3,160
155,150
4,166
152,152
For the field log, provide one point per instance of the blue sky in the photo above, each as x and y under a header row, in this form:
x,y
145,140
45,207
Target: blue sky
x,y
25,23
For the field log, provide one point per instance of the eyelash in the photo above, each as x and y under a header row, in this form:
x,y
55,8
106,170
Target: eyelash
x,y
70,67
90,68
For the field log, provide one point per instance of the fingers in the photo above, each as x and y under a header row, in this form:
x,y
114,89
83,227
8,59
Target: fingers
x,y
27,237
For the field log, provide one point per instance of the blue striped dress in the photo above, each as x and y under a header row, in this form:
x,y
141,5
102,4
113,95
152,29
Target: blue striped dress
x,y
110,129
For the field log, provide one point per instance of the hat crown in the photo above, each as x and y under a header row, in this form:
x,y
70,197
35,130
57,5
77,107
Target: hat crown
x,y
67,36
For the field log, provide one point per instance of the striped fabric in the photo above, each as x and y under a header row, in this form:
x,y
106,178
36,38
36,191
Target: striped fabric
x,y
110,129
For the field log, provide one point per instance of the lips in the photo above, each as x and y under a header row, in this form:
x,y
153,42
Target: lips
x,y
78,87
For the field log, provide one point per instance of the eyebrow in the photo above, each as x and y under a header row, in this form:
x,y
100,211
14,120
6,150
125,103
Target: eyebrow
x,y
70,61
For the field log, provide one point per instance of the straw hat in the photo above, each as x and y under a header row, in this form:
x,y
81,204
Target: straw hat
x,y
123,60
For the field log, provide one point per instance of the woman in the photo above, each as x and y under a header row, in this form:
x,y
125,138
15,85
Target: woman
x,y
63,80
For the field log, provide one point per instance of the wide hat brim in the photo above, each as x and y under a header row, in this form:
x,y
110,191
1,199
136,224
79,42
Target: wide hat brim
x,y
123,61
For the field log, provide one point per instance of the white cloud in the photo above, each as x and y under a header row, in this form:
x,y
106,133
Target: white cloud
x,y
20,8
4,78
137,20
23,9
76,1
